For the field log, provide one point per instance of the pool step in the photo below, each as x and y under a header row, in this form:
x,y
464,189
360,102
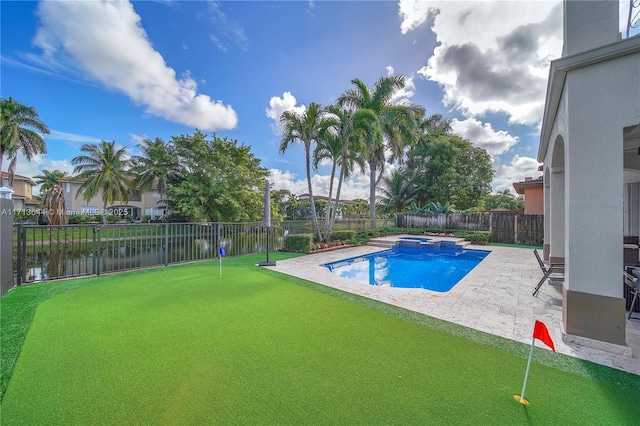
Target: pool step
x,y
388,242
380,243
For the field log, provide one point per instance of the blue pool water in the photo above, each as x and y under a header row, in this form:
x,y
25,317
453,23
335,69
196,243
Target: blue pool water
x,y
412,265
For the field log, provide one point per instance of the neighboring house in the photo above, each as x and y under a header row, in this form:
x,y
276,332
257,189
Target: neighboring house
x,y
138,206
323,198
22,192
590,146
532,190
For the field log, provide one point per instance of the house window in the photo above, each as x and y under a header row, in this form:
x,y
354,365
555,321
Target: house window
x,y
67,187
135,196
5,182
88,210
155,193
152,211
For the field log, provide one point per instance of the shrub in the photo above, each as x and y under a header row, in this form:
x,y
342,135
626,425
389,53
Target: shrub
x,y
112,218
346,235
297,242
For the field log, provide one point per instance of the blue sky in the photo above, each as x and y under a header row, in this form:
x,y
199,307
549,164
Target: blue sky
x,y
124,71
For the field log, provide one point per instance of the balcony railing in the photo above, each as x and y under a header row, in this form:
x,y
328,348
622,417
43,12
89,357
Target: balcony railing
x,y
630,17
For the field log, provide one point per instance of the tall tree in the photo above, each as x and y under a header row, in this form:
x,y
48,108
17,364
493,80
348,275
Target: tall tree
x,y
223,180
397,122
156,167
346,132
304,128
16,135
103,168
48,179
285,202
503,200
448,169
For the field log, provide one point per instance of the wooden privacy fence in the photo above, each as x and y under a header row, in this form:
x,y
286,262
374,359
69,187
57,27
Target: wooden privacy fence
x,y
526,229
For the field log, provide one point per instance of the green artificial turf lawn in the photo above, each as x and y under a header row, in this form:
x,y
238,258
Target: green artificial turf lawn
x,y
182,345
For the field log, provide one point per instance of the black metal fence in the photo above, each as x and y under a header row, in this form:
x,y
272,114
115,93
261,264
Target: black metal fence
x,y
526,229
43,253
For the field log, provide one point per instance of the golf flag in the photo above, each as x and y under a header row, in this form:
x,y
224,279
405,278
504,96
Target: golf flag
x,y
541,333
221,251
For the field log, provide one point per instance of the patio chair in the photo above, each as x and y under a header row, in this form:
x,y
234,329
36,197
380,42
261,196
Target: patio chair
x,y
554,272
631,278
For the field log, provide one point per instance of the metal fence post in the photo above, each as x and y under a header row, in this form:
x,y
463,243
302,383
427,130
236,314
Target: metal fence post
x,y
21,256
166,244
99,251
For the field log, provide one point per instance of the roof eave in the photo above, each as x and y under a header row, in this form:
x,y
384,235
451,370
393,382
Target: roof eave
x,y
557,75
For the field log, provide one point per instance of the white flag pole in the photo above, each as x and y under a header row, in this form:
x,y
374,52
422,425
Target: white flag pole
x,y
520,398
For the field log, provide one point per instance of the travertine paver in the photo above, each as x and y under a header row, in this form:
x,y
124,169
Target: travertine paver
x,y
495,297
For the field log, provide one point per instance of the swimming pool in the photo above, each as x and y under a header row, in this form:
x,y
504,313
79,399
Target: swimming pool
x,y
415,264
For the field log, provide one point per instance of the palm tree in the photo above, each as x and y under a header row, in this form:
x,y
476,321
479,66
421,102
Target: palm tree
x,y
156,167
347,130
48,179
397,192
15,136
328,147
55,205
304,128
396,123
104,170
53,201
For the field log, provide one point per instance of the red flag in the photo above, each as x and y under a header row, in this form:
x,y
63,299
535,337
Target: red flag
x,y
541,333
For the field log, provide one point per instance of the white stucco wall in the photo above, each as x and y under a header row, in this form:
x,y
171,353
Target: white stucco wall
x,y
598,101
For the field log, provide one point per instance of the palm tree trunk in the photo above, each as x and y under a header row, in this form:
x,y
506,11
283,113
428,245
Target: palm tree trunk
x,y
327,219
104,213
314,215
335,210
372,194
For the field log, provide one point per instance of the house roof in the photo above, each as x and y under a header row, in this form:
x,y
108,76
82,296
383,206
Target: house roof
x,y
26,199
19,177
558,73
528,183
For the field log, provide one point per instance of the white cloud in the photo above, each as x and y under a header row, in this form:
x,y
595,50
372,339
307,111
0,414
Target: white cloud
x,y
57,135
390,70
354,187
216,41
516,171
493,56
483,135
279,105
226,27
107,41
137,138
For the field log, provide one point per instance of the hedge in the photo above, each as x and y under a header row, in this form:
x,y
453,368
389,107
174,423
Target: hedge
x,y
298,242
345,235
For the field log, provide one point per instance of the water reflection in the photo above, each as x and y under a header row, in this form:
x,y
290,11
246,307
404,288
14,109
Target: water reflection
x,y
437,271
